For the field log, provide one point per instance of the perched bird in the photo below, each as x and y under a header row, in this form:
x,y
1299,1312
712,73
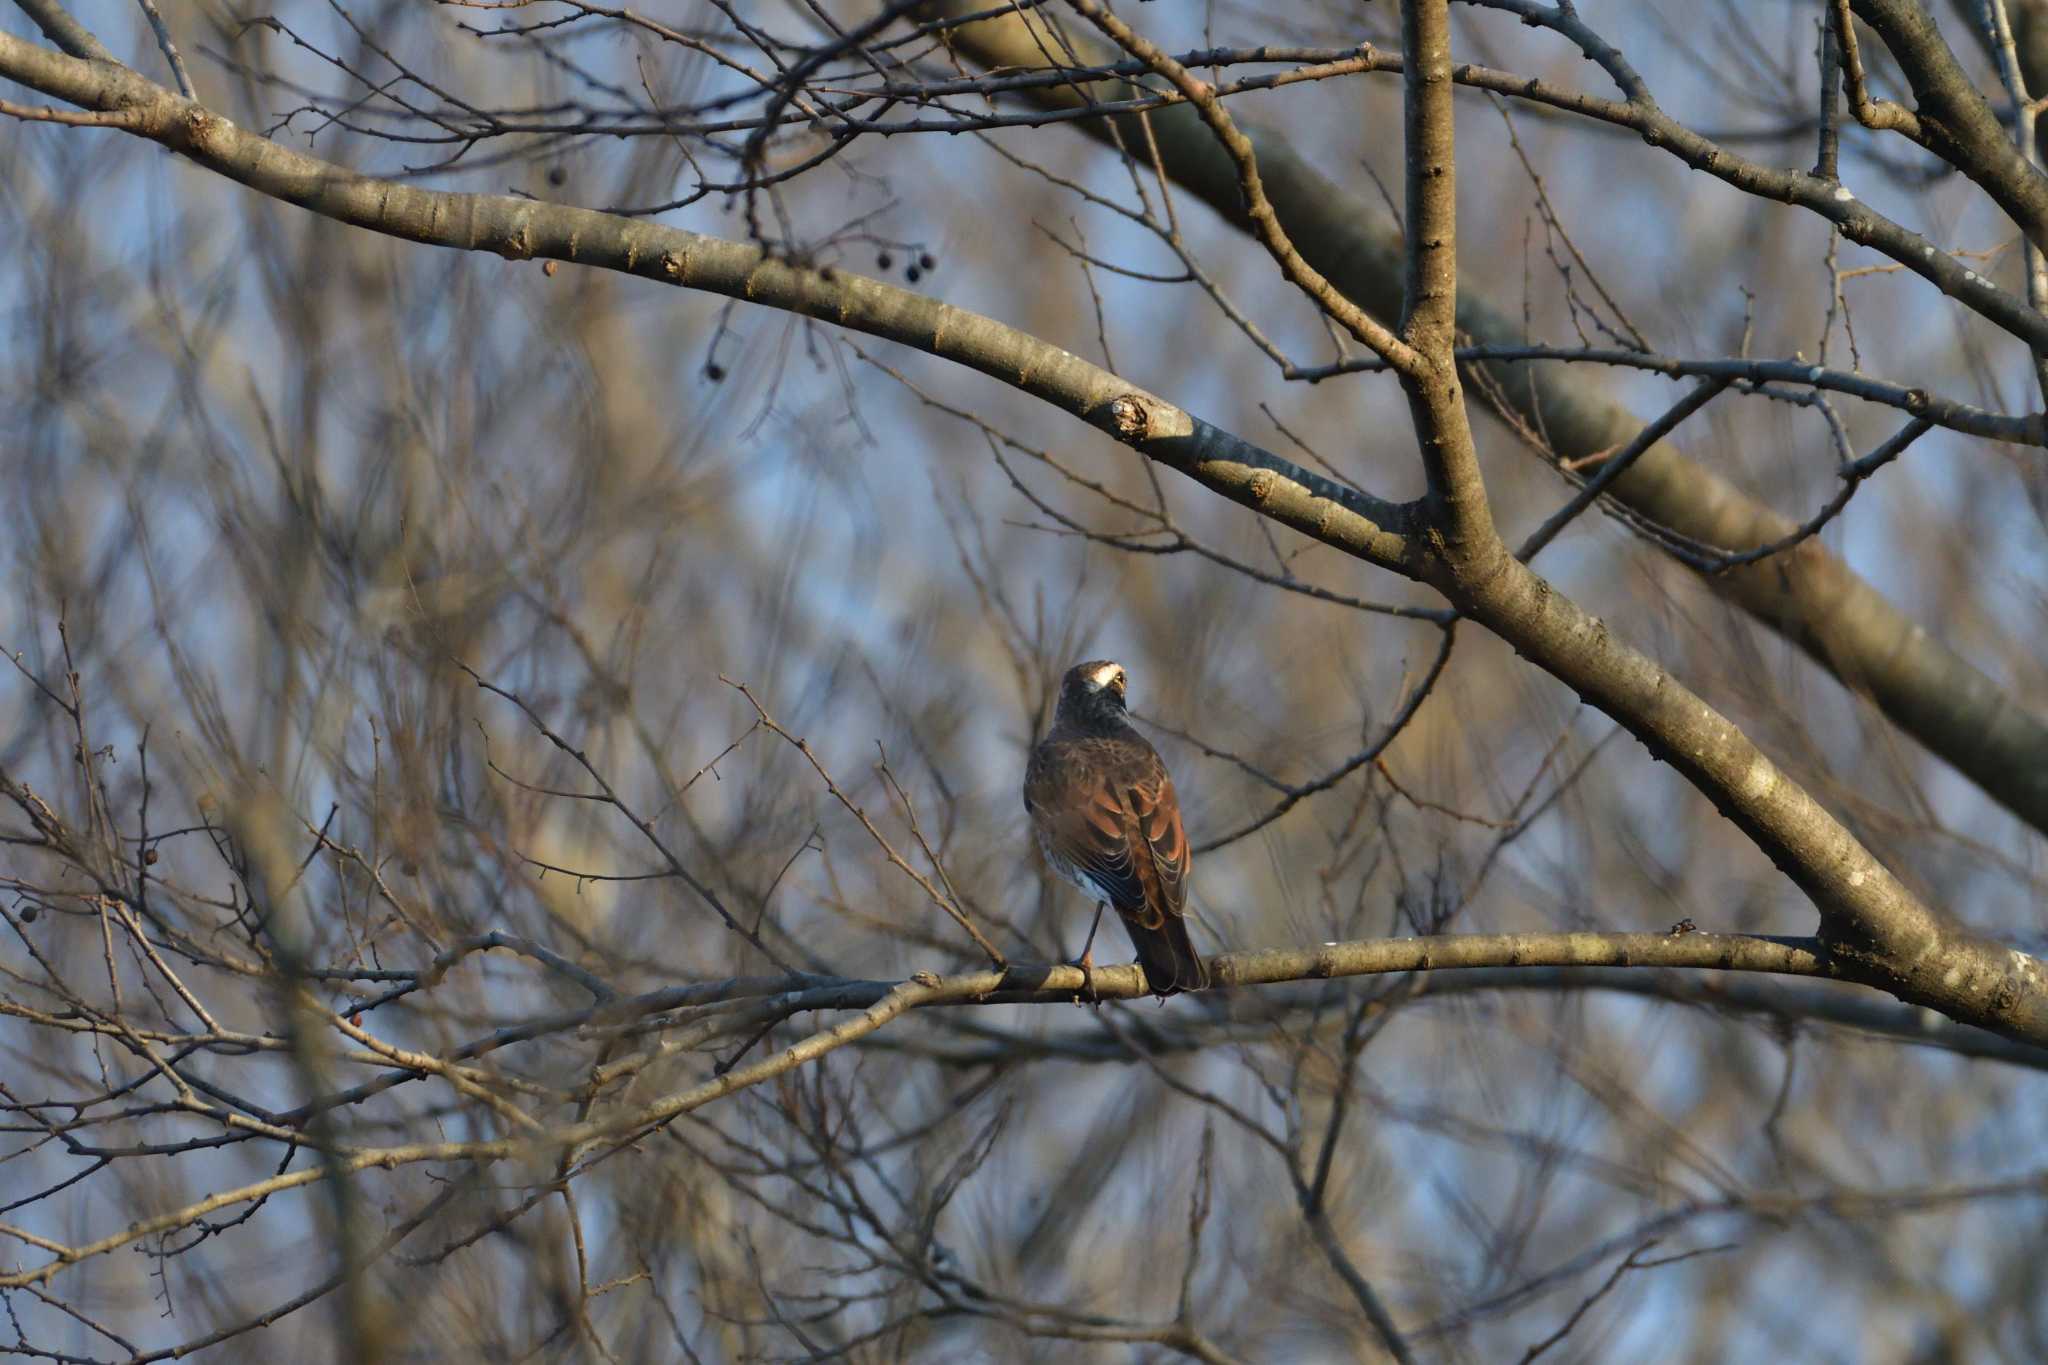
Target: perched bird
x,y
1107,820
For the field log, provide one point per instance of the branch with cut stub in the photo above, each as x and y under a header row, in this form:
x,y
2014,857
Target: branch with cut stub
x,y
1868,917
1814,599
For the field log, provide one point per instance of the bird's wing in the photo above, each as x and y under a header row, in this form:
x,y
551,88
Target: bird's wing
x,y
1118,825
1080,822
1154,830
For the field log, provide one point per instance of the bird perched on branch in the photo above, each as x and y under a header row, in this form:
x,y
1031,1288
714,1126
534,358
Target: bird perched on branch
x,y
1108,821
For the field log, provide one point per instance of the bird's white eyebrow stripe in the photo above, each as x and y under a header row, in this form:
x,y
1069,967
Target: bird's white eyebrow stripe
x,y
1101,677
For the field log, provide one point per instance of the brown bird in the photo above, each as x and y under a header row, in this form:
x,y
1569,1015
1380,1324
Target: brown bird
x,y
1108,821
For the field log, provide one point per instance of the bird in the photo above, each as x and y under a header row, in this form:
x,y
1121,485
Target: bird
x,y
1106,817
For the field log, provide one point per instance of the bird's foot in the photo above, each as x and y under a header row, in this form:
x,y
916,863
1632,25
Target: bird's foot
x,y
1088,995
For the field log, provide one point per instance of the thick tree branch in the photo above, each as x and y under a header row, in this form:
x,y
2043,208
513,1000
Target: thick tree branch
x,y
880,1002
1829,1006
1874,926
63,30
1956,121
1811,597
1470,548
521,229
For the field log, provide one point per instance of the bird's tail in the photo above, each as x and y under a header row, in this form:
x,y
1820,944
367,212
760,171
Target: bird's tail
x,y
1170,961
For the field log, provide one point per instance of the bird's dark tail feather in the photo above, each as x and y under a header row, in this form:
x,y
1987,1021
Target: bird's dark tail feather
x,y
1170,961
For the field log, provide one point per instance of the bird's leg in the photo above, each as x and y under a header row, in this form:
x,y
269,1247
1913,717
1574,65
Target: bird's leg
x,y
1086,961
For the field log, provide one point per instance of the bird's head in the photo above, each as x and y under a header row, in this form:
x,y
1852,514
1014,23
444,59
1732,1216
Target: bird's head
x,y
1093,691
